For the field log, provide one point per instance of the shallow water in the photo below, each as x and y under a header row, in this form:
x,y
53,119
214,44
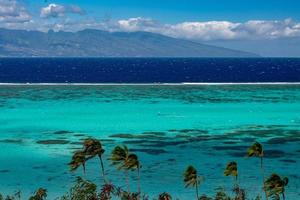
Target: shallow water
x,y
169,127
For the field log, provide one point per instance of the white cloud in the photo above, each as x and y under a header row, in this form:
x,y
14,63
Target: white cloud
x,y
204,30
216,30
56,10
138,24
13,12
269,29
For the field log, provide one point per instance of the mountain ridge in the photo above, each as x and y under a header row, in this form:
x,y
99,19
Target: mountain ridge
x,y
99,43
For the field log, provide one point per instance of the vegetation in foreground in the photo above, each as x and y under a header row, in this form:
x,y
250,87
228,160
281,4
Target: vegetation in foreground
x,y
126,162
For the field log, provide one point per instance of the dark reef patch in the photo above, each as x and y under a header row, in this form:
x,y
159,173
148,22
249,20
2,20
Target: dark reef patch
x,y
274,153
233,148
282,140
248,139
12,141
77,143
150,151
154,133
61,132
288,161
107,140
135,141
46,142
267,154
39,167
136,136
230,142
79,135
237,154
163,143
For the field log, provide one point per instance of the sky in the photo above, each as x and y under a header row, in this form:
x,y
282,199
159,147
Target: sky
x,y
201,20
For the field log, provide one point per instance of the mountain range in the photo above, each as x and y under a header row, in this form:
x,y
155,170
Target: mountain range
x,y
97,43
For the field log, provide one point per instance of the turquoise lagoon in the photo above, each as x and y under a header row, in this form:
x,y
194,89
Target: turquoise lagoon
x,y
168,127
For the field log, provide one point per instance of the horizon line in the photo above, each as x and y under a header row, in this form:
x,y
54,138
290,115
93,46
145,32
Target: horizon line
x,y
150,84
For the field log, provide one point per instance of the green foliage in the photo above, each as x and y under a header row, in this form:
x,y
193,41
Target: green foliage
x,y
275,186
119,156
16,196
240,194
123,159
255,150
190,177
108,190
40,194
221,195
130,196
258,198
165,196
82,190
92,147
204,197
231,169
78,159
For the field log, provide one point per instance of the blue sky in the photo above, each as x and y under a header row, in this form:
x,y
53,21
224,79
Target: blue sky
x,y
201,20
174,11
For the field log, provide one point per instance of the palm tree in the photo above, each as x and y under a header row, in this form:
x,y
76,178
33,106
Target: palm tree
x,y
232,170
164,196
108,190
40,194
256,150
191,179
92,148
119,158
123,159
134,164
275,185
78,159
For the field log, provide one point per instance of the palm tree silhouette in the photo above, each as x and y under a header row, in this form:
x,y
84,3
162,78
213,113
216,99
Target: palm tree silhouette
x,y
78,159
123,159
134,164
164,196
92,148
275,185
40,194
256,150
191,179
232,170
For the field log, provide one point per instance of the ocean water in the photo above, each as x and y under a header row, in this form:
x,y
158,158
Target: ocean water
x,y
148,70
168,127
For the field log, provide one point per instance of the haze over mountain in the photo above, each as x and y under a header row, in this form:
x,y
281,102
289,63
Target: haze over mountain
x,y
278,47
97,43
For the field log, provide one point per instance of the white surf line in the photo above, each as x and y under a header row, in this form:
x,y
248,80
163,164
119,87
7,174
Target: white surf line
x,y
146,84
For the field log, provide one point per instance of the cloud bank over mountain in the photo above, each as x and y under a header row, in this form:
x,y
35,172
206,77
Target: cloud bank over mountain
x,y
14,15
56,10
216,30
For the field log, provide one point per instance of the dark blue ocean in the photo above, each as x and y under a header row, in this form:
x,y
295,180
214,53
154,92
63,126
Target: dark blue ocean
x,y
169,127
148,70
